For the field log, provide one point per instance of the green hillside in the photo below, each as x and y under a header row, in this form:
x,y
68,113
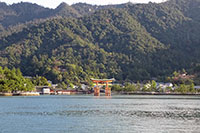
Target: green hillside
x,y
128,42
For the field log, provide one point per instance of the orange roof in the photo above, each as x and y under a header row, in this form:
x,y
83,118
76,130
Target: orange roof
x,y
103,80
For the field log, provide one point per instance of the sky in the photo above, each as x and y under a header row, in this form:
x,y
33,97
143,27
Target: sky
x,y
55,3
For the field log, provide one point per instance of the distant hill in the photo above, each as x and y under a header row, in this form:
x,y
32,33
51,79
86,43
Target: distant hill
x,y
11,15
21,13
128,42
14,14
15,17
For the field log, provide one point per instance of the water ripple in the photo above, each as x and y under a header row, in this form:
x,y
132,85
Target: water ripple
x,y
186,115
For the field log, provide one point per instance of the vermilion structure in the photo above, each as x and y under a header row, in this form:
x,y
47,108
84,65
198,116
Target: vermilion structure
x,y
102,81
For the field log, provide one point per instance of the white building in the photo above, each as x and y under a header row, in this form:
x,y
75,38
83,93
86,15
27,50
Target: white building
x,y
197,87
84,87
45,90
164,85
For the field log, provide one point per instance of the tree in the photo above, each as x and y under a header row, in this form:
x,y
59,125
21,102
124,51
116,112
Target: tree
x,y
40,81
116,88
153,85
12,81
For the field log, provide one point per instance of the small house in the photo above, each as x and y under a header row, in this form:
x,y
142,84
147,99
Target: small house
x,y
197,87
46,90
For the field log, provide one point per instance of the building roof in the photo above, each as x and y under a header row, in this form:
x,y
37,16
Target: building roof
x,y
103,80
197,87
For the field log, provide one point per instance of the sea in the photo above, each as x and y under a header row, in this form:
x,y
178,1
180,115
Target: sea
x,y
90,114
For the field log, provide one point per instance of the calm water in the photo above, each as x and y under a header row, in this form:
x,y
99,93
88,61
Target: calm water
x,y
87,114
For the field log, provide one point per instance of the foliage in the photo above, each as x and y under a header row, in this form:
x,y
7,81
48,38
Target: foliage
x,y
150,86
40,81
12,81
183,88
116,88
181,78
130,87
130,42
127,88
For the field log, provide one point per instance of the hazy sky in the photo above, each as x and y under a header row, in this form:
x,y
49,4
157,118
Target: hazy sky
x,y
55,3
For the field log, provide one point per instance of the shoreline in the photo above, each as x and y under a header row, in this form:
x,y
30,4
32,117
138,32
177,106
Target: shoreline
x,y
113,93
156,93
20,94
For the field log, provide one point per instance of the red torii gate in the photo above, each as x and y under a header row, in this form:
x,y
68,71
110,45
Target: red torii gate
x,y
102,81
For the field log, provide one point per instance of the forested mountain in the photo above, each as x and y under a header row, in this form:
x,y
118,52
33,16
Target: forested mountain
x,y
15,17
11,15
22,12
127,42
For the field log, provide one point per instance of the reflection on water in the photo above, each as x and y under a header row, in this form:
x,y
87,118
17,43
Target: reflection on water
x,y
100,114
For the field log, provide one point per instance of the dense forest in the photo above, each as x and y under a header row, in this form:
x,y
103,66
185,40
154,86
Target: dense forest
x,y
130,42
13,81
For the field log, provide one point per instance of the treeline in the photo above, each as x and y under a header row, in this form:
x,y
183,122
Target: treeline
x,y
178,82
154,87
13,81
